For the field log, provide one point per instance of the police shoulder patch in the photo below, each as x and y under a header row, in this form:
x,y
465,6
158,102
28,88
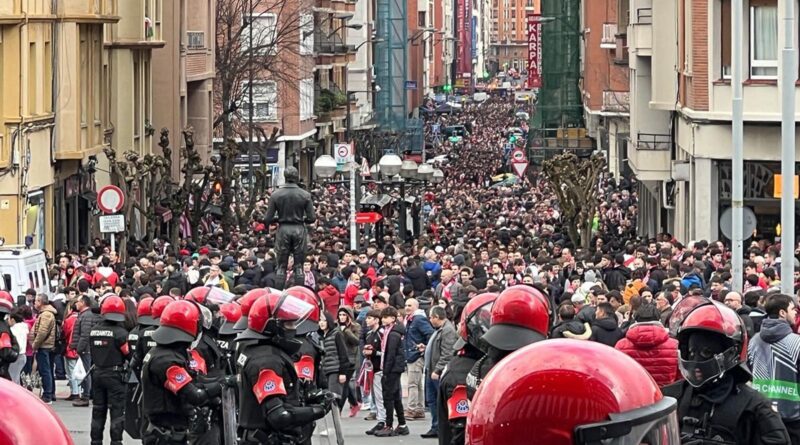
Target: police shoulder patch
x,y
177,378
241,360
269,383
5,341
458,404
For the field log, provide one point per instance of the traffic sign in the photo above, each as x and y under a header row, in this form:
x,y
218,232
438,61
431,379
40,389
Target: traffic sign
x,y
368,217
343,153
365,167
110,199
520,167
112,223
518,155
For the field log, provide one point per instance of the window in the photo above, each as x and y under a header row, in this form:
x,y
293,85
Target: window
x,y
725,39
265,99
306,34
763,39
306,99
264,29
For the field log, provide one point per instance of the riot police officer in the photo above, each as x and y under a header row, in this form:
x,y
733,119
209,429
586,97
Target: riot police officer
x,y
169,390
133,424
452,397
715,404
520,316
109,348
204,360
270,409
292,207
9,349
149,324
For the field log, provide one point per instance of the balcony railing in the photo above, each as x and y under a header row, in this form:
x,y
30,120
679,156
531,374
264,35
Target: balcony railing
x,y
609,39
644,16
653,141
616,101
324,44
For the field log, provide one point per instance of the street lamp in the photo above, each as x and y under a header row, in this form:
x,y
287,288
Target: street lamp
x,y
390,164
409,169
425,172
438,176
325,166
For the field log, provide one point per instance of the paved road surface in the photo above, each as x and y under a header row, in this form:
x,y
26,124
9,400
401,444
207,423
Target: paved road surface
x,y
78,419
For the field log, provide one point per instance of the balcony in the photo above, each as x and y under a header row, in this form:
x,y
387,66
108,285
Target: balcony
x,y
616,102
649,155
332,49
609,38
329,104
642,30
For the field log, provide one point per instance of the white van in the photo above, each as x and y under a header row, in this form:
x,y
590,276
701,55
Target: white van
x,y
22,269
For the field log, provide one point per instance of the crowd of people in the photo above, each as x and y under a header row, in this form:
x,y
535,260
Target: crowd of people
x,y
153,338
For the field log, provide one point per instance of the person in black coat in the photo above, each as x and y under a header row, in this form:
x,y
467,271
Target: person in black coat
x,y
617,277
604,327
417,276
393,366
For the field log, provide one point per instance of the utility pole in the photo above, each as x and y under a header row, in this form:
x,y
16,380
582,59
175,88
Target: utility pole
x,y
250,167
787,75
737,141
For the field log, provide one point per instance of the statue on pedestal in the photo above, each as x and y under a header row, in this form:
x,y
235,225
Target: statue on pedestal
x,y
292,208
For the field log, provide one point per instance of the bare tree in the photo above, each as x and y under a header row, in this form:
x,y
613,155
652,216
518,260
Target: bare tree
x,y
575,183
256,40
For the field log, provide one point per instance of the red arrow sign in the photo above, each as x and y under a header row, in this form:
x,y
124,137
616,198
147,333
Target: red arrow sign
x,y
368,217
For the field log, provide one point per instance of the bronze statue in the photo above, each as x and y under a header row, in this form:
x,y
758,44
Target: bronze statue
x,y
291,207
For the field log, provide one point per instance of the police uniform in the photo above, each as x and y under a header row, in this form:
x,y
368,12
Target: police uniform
x,y
144,343
452,398
477,373
204,360
109,349
270,410
133,424
307,366
168,392
9,349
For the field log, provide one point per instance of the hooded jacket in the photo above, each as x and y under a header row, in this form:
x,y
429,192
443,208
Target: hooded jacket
x,y
650,345
606,331
331,298
616,278
574,326
419,279
335,360
105,274
394,361
352,333
774,357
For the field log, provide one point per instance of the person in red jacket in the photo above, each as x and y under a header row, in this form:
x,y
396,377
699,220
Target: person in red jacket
x,y
329,294
648,342
351,291
71,355
105,273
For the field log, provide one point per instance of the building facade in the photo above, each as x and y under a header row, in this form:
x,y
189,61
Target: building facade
x,y
605,78
680,137
55,96
508,37
184,80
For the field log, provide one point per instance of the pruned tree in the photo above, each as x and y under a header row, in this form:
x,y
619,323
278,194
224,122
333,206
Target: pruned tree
x,y
257,40
574,182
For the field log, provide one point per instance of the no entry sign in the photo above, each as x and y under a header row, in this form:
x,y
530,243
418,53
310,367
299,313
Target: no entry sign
x,y
517,155
110,199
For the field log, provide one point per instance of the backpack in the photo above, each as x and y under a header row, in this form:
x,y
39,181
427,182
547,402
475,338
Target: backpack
x,y
61,342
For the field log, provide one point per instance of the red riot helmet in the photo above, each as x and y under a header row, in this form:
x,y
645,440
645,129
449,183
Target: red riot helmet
x,y
144,312
198,295
699,314
520,316
311,324
567,392
6,302
476,318
181,321
230,313
159,304
274,315
19,407
246,302
112,308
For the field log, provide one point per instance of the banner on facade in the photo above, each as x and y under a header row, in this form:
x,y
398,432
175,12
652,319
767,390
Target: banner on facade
x,y
464,24
534,30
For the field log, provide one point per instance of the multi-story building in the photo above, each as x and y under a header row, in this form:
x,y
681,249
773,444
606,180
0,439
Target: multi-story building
x,y
360,72
508,37
680,127
183,88
54,91
605,77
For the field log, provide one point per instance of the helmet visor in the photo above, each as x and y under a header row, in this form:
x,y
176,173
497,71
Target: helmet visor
x,y
699,372
656,424
219,296
292,311
478,324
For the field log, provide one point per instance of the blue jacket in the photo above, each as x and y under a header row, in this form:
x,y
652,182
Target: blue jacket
x,y
436,272
339,282
418,330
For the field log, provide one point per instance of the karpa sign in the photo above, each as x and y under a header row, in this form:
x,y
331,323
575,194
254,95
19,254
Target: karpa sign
x,y
534,30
